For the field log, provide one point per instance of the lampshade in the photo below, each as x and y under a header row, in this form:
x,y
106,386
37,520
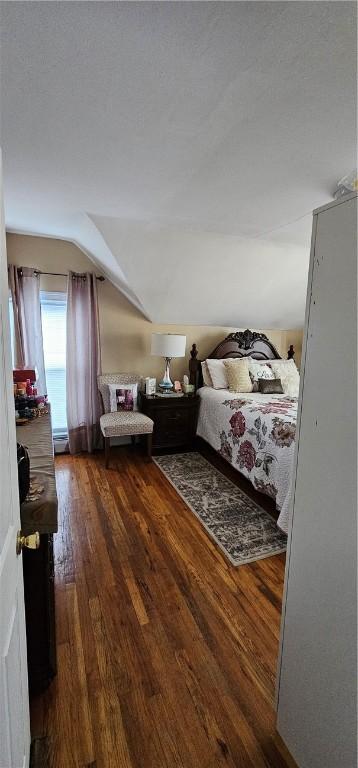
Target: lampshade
x,y
168,345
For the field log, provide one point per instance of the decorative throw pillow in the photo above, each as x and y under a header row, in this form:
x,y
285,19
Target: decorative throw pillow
x,y
238,375
270,386
208,382
217,372
123,397
259,370
290,378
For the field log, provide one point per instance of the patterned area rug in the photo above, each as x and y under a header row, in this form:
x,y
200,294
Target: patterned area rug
x,y
244,531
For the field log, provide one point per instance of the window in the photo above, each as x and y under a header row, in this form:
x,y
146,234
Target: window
x,y
53,313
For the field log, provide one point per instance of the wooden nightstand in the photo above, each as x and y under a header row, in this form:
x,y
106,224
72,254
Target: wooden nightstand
x,y
175,419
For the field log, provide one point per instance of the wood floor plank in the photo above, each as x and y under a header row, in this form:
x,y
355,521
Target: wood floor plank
x,y
134,592
166,653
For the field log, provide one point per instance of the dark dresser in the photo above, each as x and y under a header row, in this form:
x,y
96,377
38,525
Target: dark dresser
x,y
38,564
175,419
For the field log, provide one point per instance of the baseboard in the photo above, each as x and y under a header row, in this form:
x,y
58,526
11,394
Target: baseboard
x,y
39,754
61,443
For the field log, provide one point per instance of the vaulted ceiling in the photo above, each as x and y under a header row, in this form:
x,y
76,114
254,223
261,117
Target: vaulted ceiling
x,y
182,145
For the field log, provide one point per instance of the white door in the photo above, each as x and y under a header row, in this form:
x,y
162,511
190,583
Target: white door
x,y
14,707
317,695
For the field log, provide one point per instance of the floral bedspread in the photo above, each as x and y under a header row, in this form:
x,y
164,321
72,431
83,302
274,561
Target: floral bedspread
x,y
256,434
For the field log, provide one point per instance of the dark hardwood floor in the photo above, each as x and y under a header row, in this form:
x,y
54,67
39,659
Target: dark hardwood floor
x,y
166,653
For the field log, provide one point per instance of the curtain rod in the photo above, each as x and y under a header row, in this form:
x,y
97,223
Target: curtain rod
x,y
64,274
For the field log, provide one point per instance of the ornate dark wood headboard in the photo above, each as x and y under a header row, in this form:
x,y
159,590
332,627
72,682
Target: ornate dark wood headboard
x,y
239,344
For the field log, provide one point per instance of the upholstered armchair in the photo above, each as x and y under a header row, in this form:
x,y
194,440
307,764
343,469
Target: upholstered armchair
x,y
121,423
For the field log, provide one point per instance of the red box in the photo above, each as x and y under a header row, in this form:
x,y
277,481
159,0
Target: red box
x,y
22,374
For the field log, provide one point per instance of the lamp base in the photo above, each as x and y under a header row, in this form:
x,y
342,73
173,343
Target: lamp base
x,y
166,382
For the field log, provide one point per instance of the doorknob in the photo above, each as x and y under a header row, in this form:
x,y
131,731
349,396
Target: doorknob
x,y
30,542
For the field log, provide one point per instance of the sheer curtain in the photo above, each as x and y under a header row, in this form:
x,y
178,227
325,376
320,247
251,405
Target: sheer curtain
x,y
14,286
83,363
24,283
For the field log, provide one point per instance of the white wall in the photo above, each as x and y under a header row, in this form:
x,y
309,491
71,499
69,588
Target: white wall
x,y
125,332
207,278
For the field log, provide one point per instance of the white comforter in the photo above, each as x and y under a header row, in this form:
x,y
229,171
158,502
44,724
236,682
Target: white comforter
x,y
256,434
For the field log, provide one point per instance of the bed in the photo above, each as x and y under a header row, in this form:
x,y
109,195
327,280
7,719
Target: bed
x,y
255,433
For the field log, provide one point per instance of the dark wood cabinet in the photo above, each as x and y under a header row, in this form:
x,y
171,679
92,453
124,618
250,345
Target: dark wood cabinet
x,y
175,419
40,514
39,594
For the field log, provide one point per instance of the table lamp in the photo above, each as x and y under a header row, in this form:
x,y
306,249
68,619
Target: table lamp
x,y
168,345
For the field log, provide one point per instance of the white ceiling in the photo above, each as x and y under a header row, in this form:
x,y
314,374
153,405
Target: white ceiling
x,y
183,145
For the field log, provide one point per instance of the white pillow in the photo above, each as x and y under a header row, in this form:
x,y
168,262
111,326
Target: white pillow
x,y
123,397
283,361
290,378
217,372
260,370
206,374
